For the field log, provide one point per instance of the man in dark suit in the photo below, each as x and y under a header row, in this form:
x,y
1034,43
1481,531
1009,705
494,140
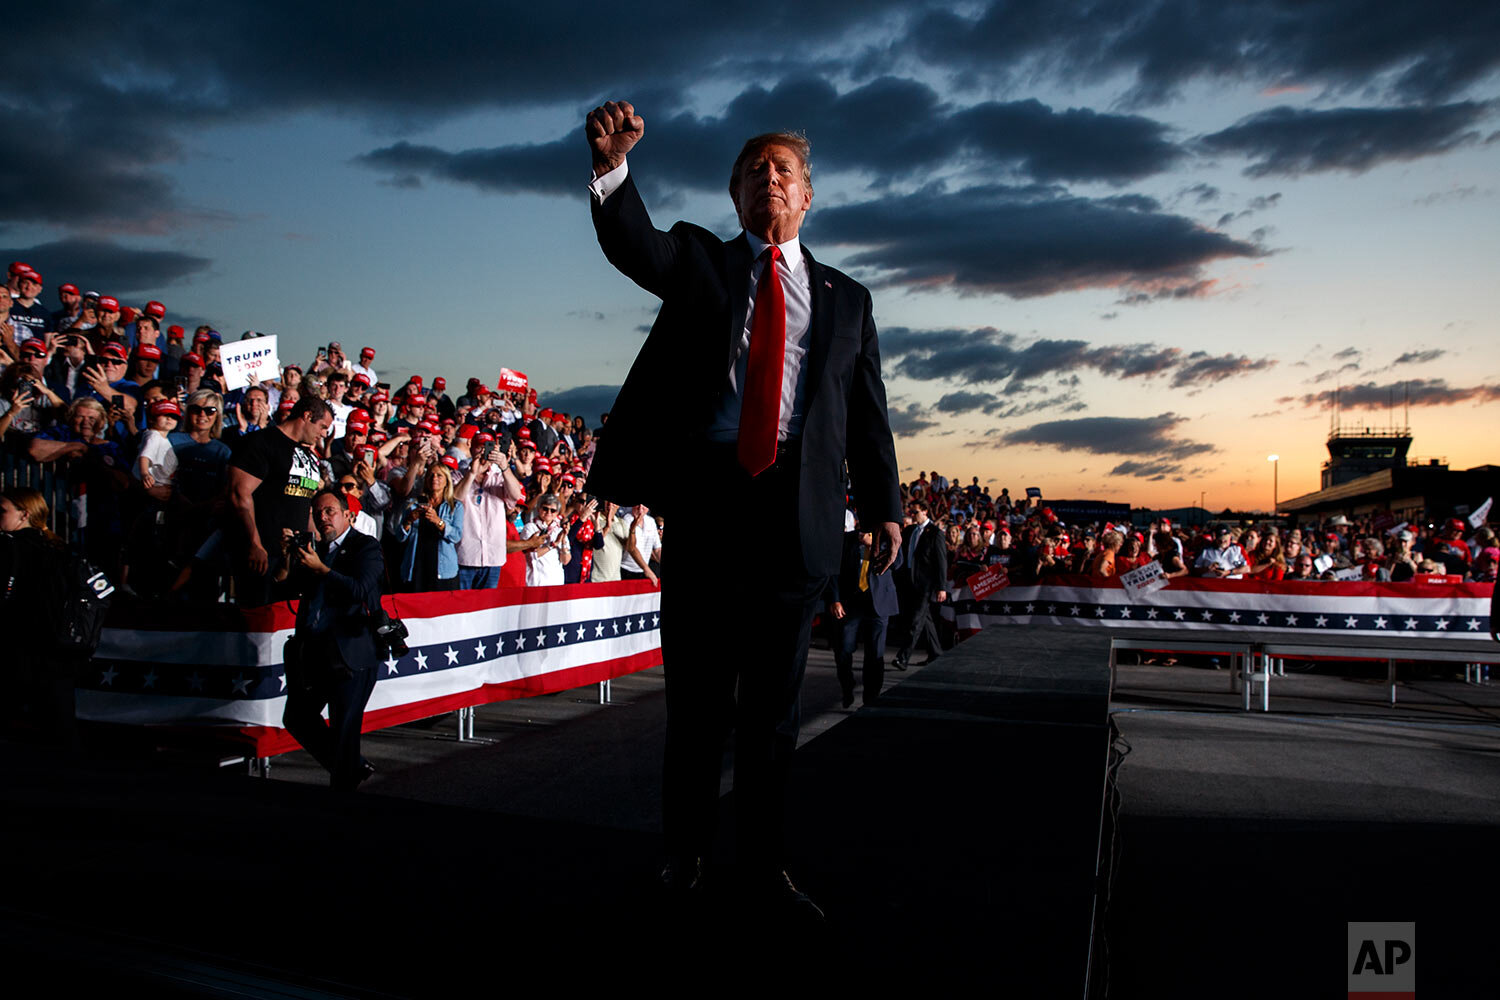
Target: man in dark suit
x,y
331,658
925,580
771,361
862,602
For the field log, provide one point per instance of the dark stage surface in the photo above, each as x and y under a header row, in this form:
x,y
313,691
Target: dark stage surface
x,y
950,835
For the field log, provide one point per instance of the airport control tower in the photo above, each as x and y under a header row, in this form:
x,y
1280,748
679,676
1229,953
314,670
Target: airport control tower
x,y
1358,450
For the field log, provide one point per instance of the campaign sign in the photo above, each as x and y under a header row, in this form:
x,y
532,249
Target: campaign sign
x,y
510,381
1033,491
1396,529
1438,578
1144,579
1323,562
987,581
1352,573
247,362
1477,518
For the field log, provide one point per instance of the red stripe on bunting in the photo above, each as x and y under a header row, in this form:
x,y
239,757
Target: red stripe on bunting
x,y
268,741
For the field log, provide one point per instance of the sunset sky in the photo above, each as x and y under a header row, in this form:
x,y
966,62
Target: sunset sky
x,y
1118,250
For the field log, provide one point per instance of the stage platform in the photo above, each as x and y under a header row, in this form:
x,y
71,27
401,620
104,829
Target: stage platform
x,y
950,833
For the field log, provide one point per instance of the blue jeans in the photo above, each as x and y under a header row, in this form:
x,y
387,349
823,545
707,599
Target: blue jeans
x,y
478,577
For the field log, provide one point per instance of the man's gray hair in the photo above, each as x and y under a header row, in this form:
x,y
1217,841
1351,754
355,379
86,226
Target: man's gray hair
x,y
795,141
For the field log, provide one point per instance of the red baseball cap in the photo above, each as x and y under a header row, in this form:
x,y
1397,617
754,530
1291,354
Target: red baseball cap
x,y
467,431
68,287
148,351
19,267
34,347
175,332
108,303
114,351
367,352
439,383
127,315
192,359
356,427
165,406
155,308
450,462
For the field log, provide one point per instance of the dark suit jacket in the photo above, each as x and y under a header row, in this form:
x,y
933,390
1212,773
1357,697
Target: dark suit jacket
x,y
880,599
341,602
928,563
703,283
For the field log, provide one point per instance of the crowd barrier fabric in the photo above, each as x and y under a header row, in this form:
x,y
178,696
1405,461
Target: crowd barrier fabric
x,y
1386,610
223,666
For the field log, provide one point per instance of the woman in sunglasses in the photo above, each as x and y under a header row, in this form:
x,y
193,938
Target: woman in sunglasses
x,y
544,564
429,530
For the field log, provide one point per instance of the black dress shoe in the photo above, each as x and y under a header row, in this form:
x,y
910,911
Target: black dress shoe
x,y
899,663
682,875
366,772
848,697
781,897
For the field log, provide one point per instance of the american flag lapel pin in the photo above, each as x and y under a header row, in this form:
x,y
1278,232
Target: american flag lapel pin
x,y
827,284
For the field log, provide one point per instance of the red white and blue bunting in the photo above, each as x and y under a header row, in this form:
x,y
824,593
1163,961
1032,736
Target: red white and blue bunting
x,y
465,648
1226,606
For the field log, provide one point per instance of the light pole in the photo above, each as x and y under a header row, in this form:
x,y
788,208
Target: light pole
x,y
1275,461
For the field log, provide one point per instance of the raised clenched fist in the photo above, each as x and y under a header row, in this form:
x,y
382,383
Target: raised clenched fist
x,y
612,129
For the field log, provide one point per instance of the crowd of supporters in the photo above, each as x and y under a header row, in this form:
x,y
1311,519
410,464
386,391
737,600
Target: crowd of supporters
x,y
183,489
1032,543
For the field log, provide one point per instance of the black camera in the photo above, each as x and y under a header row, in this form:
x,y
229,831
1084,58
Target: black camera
x,y
390,634
302,539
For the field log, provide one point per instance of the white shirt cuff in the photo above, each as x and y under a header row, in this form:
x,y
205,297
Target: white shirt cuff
x,y
607,184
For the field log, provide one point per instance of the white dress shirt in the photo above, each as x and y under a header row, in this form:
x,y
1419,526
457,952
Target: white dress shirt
x,y
796,287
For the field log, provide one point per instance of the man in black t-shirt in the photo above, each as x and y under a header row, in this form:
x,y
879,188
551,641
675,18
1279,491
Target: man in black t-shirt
x,y
273,475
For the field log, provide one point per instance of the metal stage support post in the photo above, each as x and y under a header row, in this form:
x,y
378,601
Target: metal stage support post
x,y
471,721
604,692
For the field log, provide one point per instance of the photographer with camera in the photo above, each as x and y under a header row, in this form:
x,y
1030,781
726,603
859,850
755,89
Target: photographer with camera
x,y
331,658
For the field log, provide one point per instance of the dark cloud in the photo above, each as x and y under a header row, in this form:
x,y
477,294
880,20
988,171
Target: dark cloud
x,y
1022,241
1331,373
1201,193
965,402
911,421
1152,470
918,132
1419,357
587,400
1002,408
1348,352
1154,436
1417,53
1191,290
108,267
987,355
1291,141
1200,368
1417,392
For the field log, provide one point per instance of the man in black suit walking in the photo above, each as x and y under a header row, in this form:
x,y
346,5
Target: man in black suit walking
x,y
331,658
862,602
925,580
771,360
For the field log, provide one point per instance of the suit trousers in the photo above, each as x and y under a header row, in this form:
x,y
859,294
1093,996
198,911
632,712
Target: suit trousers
x,y
871,629
921,624
320,678
737,615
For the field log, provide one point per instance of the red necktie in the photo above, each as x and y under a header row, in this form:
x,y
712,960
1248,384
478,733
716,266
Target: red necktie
x,y
760,405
